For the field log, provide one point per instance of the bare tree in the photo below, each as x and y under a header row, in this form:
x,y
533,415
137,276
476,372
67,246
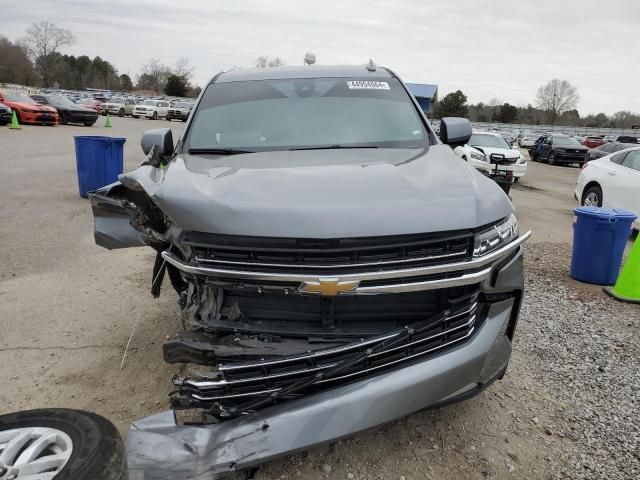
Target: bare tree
x,y
183,68
309,58
44,40
557,97
154,74
261,61
276,62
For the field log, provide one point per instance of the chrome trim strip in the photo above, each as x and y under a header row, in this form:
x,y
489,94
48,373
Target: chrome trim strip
x,y
390,274
359,372
207,384
464,279
415,355
346,265
321,353
236,395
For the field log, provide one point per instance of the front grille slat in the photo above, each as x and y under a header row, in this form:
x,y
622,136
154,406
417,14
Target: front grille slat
x,y
336,255
238,381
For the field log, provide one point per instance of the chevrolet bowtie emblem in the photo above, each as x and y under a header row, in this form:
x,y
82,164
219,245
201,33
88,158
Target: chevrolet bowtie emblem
x,y
328,286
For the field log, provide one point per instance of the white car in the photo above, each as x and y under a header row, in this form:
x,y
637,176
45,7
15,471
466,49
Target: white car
x,y
153,109
120,106
489,152
612,182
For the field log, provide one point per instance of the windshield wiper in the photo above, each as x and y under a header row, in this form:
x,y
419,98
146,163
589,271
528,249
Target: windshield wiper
x,y
334,147
218,151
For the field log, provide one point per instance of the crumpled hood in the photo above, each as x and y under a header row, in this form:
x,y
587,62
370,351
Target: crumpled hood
x,y
324,193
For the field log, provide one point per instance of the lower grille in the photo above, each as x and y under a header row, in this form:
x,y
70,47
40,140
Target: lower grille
x,y
244,386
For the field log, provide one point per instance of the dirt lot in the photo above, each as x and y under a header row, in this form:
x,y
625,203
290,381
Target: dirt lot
x,y
567,407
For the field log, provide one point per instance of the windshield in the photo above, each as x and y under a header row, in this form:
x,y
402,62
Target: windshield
x,y
117,100
483,140
566,142
306,113
18,97
60,101
180,105
150,102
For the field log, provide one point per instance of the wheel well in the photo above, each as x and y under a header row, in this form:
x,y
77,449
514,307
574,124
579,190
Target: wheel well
x,y
592,183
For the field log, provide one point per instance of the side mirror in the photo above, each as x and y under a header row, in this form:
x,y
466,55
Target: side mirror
x,y
157,144
455,131
161,138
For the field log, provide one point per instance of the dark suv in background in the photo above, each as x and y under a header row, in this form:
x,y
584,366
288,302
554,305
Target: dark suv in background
x,y
336,265
559,149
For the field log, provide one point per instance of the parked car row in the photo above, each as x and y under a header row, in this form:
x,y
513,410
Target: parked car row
x,y
27,110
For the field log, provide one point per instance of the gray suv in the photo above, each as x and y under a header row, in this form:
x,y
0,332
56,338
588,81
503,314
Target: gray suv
x,y
337,265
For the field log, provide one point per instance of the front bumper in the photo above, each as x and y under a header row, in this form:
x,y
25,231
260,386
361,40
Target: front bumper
x,y
38,118
159,448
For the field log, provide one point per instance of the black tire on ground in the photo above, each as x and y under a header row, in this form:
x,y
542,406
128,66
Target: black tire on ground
x,y
2,124
98,451
168,119
134,116
155,116
89,124
184,119
551,159
594,190
121,112
64,118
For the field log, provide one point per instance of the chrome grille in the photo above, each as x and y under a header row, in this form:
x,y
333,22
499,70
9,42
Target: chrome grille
x,y
234,384
333,255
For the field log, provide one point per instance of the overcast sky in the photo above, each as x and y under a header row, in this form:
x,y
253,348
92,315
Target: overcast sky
x,y
501,49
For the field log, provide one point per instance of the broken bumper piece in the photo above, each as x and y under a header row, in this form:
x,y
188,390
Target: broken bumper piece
x,y
158,448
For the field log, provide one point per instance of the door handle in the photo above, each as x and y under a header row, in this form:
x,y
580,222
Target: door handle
x,y
611,172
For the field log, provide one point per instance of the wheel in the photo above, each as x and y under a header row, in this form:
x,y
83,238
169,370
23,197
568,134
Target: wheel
x,y
121,112
184,119
551,159
64,118
155,115
89,124
60,444
168,119
134,116
592,196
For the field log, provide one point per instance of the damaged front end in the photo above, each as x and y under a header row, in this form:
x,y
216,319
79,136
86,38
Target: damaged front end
x,y
292,341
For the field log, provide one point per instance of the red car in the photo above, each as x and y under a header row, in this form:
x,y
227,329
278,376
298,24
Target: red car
x,y
28,111
593,142
92,104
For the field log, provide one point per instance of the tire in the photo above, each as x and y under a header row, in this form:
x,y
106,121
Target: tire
x,y
184,119
551,159
91,444
155,116
592,196
134,116
89,124
168,119
121,112
64,118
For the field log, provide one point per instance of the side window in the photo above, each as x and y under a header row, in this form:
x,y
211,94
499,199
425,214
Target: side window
x,y
632,160
607,147
618,158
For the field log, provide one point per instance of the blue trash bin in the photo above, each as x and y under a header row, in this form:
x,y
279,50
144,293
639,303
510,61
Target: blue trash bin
x,y
599,237
99,161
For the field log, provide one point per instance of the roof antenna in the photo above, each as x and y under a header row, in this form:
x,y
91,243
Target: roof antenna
x,y
371,66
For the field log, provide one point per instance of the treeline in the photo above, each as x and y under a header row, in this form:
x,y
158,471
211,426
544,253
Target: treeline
x,y
36,61
455,104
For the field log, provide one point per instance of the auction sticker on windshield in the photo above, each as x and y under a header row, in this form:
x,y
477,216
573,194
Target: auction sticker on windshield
x,y
355,84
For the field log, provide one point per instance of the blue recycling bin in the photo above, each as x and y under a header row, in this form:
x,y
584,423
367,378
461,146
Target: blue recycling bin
x,y
599,238
99,161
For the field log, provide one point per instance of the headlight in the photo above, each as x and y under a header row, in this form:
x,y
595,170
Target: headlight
x,y
478,156
496,236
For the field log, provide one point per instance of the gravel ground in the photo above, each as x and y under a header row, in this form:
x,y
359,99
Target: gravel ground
x,y
585,350
568,407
